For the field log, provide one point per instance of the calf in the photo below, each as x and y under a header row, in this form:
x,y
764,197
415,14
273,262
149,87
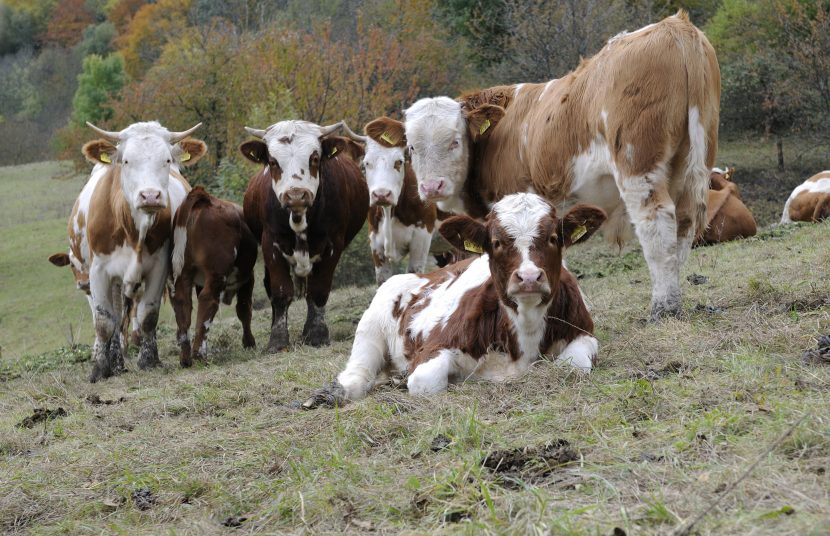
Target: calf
x,y
727,218
305,206
213,250
809,201
399,221
487,317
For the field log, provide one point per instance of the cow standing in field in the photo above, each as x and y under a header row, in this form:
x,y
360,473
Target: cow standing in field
x,y
399,221
727,218
305,206
634,130
213,250
488,317
809,201
127,208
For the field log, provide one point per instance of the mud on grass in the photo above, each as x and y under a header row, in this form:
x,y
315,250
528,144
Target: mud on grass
x,y
673,414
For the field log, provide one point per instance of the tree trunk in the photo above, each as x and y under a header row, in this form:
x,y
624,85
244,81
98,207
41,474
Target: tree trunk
x,y
779,144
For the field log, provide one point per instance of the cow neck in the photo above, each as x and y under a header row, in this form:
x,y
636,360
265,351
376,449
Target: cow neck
x,y
527,322
411,210
139,230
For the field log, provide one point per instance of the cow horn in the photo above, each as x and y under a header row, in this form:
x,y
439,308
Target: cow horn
x,y
111,136
176,137
256,132
325,131
352,135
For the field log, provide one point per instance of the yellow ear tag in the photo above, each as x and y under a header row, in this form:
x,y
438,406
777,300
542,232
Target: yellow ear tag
x,y
578,233
388,139
333,152
185,157
472,247
105,158
484,126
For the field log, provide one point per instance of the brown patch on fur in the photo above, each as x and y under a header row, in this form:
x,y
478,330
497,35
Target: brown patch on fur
x,y
410,210
727,218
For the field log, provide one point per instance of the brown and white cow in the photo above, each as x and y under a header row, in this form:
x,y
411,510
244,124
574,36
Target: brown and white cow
x,y
213,250
809,201
488,317
634,130
305,206
727,218
127,208
400,223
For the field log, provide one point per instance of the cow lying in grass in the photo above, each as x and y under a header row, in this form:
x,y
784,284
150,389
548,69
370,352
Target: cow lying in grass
x,y
488,317
727,218
809,201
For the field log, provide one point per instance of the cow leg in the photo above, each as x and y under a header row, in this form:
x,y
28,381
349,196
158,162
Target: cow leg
x,y
118,343
148,312
419,250
580,353
652,212
280,288
315,330
383,266
182,302
208,305
686,213
244,306
104,321
432,376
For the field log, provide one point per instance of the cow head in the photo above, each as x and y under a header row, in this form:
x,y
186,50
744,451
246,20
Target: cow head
x,y
384,160
524,240
441,134
81,277
145,153
292,151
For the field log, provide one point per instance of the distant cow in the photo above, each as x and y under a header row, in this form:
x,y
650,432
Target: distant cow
x,y
727,217
399,221
305,206
128,208
634,129
213,250
809,201
488,317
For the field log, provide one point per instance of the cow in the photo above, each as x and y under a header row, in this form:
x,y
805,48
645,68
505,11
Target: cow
x,y
488,317
399,221
809,201
215,251
304,207
633,129
128,211
727,218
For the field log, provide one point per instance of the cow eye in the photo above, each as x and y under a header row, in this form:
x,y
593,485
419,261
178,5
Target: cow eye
x,y
553,240
168,161
496,243
454,144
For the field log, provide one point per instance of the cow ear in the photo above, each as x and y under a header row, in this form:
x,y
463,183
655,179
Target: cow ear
x,y
482,120
466,234
728,173
59,259
579,224
99,151
256,151
334,146
189,151
387,132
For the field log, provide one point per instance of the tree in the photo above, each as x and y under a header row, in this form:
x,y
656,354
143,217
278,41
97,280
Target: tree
x,y
67,23
99,83
149,30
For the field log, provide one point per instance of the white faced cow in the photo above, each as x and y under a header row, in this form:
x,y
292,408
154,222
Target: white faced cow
x,y
488,317
134,190
633,129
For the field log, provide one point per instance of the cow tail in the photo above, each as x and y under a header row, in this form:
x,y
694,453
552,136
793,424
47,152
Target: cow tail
x,y
197,197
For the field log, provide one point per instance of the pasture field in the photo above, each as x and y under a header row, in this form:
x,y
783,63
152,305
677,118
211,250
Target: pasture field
x,y
673,415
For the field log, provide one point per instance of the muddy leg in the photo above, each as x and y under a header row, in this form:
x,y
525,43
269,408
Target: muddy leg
x,y
208,305
182,302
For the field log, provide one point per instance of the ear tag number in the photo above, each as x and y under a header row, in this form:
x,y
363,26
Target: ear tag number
x,y
578,233
484,126
388,139
105,158
472,247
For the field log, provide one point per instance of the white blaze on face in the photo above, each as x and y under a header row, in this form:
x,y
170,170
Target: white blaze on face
x,y
384,171
145,157
296,147
520,215
436,130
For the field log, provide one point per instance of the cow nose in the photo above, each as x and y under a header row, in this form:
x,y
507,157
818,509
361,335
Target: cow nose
x,y
382,196
529,278
432,189
297,198
150,198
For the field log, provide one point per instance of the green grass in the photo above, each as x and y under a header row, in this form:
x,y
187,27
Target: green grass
x,y
673,414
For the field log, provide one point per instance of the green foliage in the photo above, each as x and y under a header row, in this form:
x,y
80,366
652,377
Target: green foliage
x,y
98,84
98,39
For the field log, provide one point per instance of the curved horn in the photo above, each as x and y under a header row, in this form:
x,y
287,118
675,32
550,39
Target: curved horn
x,y
176,137
111,136
325,131
352,135
256,132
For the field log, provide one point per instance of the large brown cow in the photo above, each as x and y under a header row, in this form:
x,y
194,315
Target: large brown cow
x,y
305,206
809,201
634,129
127,208
213,250
488,317
727,218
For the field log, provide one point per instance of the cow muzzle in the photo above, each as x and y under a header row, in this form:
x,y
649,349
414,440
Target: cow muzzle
x,y
433,189
297,199
528,281
382,197
150,200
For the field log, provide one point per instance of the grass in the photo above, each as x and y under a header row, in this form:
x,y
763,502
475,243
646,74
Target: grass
x,y
673,414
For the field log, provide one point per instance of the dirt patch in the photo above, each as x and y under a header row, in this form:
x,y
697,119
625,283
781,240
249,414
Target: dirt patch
x,y
96,400
144,499
40,415
708,309
234,522
531,462
697,279
821,354
439,443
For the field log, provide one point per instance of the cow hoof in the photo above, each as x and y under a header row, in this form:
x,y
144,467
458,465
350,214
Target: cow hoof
x,y
329,396
248,342
99,372
317,336
660,311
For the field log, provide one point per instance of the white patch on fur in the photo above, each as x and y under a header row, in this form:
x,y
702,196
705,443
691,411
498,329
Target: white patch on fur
x,y
299,262
303,139
545,90
433,376
517,90
179,245
298,227
520,215
580,353
819,186
379,163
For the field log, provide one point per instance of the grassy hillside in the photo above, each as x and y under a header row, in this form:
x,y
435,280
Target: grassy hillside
x,y
673,415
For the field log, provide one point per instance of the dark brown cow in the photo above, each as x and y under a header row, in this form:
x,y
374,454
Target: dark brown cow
x,y
213,250
727,218
305,206
810,201
488,317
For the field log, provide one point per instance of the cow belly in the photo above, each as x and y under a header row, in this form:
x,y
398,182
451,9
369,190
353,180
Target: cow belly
x,y
493,366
